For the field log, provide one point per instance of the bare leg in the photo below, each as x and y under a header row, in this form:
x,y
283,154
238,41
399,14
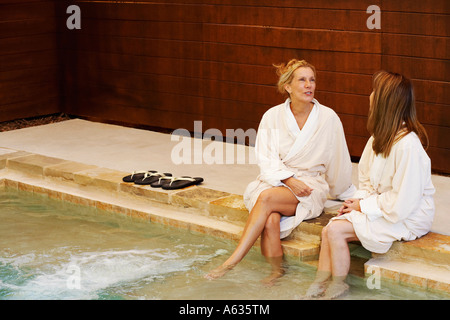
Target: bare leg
x,y
277,270
334,260
277,199
340,232
323,274
325,253
271,248
270,238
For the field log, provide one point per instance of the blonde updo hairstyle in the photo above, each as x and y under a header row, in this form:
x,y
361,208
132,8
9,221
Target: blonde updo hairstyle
x,y
286,73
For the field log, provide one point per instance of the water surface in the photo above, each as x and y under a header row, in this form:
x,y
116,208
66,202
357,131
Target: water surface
x,y
50,249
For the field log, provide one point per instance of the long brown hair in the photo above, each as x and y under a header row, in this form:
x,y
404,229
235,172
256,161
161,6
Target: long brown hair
x,y
393,112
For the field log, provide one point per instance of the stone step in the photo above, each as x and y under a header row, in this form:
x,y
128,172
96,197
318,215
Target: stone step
x,y
410,272
432,247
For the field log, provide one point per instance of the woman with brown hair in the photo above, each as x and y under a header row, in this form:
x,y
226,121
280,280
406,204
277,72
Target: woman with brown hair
x,y
395,197
303,157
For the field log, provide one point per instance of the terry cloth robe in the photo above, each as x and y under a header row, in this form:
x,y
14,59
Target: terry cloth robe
x,y
397,195
317,155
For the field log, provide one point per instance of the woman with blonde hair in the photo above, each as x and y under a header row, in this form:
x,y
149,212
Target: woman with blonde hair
x,y
395,197
303,158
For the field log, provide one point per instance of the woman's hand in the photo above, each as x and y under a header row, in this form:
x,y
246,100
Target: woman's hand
x,y
349,205
299,188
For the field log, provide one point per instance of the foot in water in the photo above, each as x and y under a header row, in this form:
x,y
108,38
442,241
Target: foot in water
x,y
218,272
336,289
317,289
273,277
320,284
278,270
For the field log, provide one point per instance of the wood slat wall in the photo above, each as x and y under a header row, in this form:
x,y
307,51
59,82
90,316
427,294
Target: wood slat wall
x,y
168,63
29,64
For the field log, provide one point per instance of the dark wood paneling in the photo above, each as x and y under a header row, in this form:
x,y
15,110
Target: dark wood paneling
x,y
161,64
206,60
305,18
28,44
415,42
419,68
29,65
223,52
27,10
31,108
418,6
20,61
416,23
432,47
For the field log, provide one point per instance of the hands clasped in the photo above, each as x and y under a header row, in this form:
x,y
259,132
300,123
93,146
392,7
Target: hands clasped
x,y
348,206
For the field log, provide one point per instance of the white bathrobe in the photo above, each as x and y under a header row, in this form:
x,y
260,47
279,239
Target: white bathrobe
x,y
397,195
317,155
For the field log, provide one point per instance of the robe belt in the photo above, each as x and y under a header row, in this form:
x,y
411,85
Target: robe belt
x,y
300,174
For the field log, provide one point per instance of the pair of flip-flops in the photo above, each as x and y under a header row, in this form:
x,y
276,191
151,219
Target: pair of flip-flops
x,y
171,183
161,180
144,177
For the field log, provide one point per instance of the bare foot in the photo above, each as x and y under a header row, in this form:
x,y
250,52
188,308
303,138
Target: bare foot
x,y
272,278
316,289
219,272
336,289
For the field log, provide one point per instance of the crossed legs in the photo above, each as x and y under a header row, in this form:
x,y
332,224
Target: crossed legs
x,y
264,221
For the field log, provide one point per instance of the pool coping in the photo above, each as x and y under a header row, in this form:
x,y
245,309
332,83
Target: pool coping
x,y
211,212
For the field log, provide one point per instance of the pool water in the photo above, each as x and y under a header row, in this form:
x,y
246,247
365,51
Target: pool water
x,y
50,249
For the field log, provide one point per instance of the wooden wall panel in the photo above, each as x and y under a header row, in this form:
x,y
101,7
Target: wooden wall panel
x,y
30,82
160,64
415,42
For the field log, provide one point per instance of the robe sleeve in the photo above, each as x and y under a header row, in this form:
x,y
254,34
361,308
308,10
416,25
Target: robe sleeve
x,y
365,187
339,168
267,145
407,188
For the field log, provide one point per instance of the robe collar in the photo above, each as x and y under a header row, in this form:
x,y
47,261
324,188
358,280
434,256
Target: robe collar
x,y
291,123
301,136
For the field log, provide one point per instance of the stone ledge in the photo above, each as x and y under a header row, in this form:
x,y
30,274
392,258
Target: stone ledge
x,y
230,207
106,179
432,247
34,164
159,195
410,272
66,170
11,155
197,197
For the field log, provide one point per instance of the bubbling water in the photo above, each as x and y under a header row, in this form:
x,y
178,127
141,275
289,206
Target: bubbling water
x,y
62,274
